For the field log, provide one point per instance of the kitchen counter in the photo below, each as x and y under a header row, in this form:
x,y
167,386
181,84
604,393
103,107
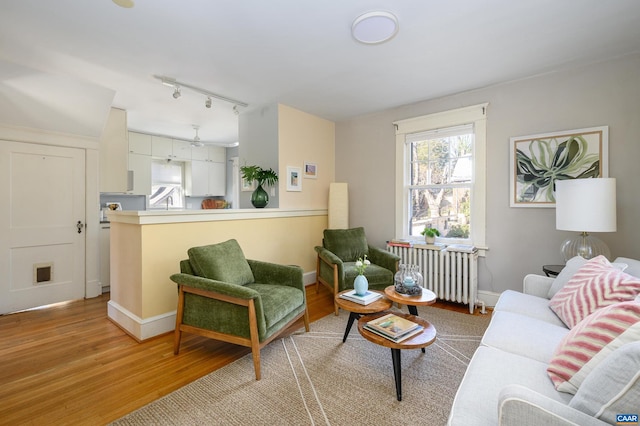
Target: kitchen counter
x,y
144,217
147,246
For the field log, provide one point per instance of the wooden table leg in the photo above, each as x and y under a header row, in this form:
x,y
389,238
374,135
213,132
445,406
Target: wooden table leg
x,y
397,372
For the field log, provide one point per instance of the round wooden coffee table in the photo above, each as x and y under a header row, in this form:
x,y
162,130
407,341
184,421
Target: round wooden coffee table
x,y
356,310
426,298
420,340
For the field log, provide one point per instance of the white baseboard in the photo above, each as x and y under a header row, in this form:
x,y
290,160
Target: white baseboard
x,y
138,328
93,288
488,297
309,278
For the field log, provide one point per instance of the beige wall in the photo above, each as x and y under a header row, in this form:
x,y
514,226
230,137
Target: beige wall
x,y
520,240
151,253
305,137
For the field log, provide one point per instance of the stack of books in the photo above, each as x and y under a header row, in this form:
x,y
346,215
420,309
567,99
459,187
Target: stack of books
x,y
400,243
393,327
365,299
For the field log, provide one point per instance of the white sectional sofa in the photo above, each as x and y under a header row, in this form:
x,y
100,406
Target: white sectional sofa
x,y
507,382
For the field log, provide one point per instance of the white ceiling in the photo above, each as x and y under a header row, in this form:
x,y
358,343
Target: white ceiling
x,y
299,53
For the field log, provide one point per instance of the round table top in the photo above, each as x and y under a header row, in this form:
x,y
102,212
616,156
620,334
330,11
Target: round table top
x,y
420,340
381,304
426,298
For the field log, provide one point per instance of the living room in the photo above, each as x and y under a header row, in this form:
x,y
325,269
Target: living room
x,y
571,95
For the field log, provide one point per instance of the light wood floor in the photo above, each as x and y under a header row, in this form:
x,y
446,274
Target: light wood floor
x,y
69,364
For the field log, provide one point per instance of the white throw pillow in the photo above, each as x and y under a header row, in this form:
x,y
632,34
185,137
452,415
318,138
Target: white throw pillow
x,y
565,275
613,387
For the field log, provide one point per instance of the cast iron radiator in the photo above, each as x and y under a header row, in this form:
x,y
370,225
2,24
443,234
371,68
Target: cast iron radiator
x,y
450,272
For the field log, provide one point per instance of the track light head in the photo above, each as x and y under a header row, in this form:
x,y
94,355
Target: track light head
x,y
176,92
207,103
235,110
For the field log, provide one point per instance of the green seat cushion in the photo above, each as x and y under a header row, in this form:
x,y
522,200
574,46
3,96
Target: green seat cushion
x,y
348,244
377,276
278,301
221,262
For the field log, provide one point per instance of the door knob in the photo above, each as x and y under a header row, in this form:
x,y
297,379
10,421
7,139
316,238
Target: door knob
x,y
79,225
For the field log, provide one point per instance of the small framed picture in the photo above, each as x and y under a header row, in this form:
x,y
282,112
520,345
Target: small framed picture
x,y
247,186
294,179
310,170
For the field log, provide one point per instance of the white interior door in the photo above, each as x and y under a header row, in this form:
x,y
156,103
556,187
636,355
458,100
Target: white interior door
x,y
42,257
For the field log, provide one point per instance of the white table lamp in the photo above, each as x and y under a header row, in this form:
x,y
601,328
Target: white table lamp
x,y
585,205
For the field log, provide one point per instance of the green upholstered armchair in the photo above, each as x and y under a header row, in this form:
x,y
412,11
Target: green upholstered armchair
x,y
226,297
340,249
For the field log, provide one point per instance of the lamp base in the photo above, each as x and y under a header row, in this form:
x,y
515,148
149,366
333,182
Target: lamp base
x,y
584,245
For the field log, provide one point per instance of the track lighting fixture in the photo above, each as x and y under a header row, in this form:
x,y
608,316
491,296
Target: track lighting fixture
x,y
178,85
235,110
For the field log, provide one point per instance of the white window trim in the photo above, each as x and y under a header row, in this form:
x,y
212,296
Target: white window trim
x,y
476,114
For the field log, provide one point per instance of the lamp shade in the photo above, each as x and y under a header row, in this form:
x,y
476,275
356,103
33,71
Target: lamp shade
x,y
586,205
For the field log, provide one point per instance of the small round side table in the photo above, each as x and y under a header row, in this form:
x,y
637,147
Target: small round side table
x,y
356,310
552,270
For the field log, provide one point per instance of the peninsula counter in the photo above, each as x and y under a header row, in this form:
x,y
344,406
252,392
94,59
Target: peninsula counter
x,y
147,246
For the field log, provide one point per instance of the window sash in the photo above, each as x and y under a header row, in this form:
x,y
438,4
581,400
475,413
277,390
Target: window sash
x,y
418,127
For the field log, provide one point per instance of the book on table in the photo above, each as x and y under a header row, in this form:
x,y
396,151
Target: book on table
x,y
368,297
394,327
398,339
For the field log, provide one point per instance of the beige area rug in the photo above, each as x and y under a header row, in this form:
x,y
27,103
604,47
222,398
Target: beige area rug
x,y
315,379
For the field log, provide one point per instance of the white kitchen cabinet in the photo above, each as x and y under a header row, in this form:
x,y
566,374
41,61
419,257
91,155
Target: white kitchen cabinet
x,y
171,149
139,143
113,152
206,178
216,154
140,165
161,147
181,150
200,153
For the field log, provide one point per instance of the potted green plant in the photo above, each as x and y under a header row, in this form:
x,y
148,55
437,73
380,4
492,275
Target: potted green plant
x,y
430,235
260,197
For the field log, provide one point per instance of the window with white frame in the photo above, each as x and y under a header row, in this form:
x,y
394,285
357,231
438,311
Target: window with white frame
x,y
167,189
440,180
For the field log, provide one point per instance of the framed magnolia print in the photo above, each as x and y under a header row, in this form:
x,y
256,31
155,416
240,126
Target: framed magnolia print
x,y
538,161
310,170
294,179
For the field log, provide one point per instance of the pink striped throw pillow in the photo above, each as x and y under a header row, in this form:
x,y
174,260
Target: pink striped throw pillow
x,y
591,341
595,284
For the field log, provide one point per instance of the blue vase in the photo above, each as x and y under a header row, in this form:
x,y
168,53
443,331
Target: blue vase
x,y
361,285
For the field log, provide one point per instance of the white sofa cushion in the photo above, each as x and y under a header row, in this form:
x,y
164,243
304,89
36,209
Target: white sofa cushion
x,y
523,335
525,304
490,370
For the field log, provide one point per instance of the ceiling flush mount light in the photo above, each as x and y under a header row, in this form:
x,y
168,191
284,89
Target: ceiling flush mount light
x,y
178,85
374,27
124,3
